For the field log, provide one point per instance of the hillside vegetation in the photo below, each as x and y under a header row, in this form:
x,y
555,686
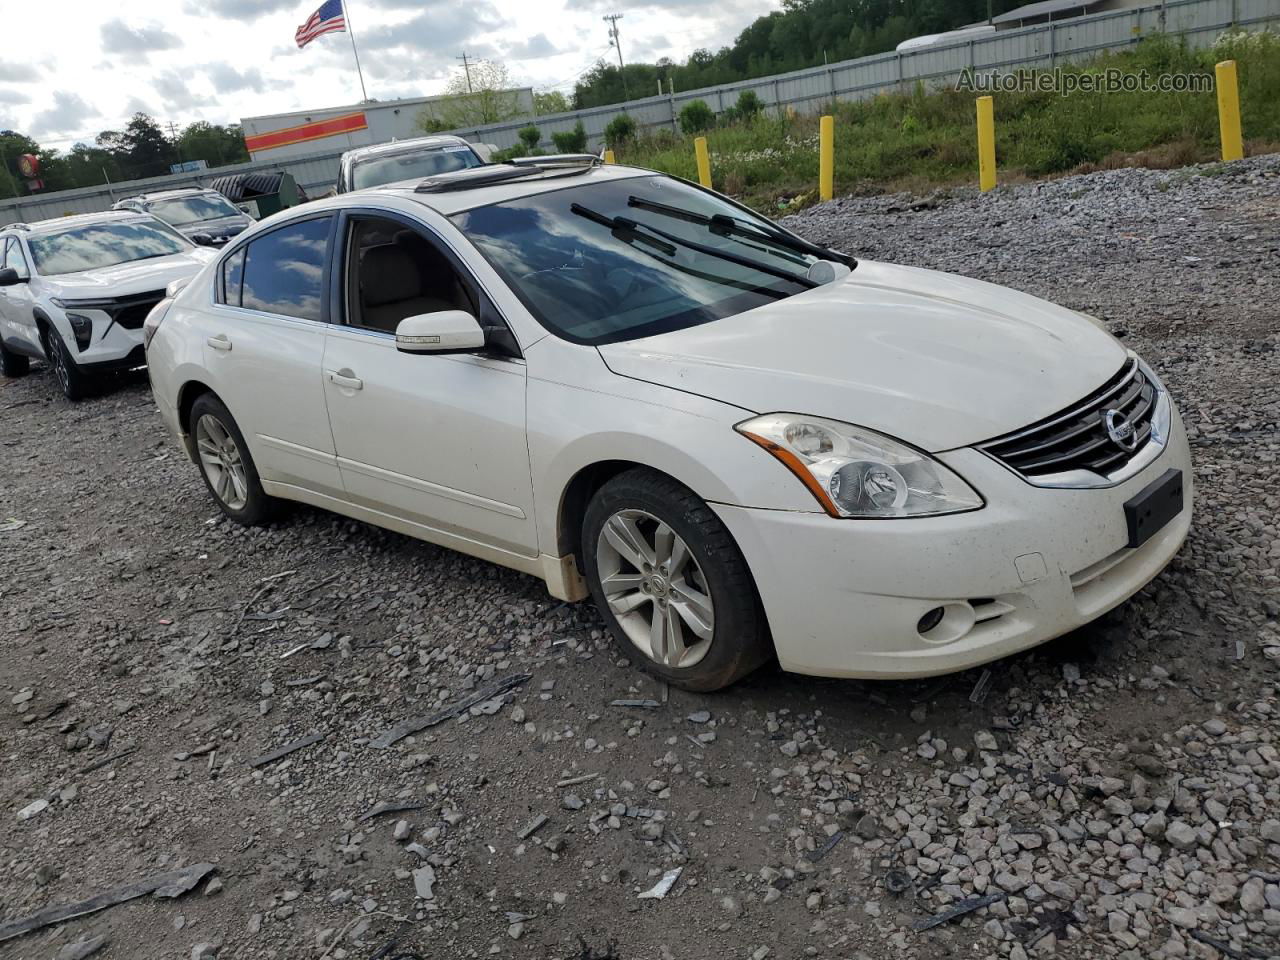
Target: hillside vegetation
x,y
922,137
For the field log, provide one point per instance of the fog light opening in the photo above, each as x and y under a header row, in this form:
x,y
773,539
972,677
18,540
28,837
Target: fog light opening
x,y
930,620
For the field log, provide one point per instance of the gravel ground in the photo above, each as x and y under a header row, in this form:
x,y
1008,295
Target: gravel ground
x,y
1115,793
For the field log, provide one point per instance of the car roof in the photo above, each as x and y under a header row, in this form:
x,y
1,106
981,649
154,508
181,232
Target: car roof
x,y
399,146
482,194
58,224
171,194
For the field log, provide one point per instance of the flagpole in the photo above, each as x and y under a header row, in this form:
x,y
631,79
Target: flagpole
x,y
346,9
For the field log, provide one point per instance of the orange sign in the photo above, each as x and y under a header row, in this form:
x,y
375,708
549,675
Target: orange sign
x,y
316,130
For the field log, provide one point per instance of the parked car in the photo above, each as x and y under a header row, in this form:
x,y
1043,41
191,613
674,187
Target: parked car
x,y
413,159
205,217
75,291
740,443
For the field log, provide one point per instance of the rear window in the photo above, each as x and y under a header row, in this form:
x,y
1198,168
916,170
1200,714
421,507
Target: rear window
x,y
102,245
417,165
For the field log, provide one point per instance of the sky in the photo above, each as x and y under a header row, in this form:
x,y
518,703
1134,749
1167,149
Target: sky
x,y
71,68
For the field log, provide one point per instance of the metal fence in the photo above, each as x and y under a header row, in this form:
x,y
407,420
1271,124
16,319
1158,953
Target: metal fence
x,y
1041,46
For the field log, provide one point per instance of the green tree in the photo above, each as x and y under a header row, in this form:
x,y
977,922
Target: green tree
x,y
478,96
571,141
213,143
696,117
552,101
620,129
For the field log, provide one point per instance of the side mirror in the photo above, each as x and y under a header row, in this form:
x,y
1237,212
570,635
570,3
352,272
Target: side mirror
x,y
446,331
9,276
202,240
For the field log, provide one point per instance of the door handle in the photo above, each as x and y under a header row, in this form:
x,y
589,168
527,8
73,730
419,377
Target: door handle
x,y
220,342
344,381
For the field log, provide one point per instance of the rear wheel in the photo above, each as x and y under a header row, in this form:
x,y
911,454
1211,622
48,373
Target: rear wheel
x,y
671,583
226,465
75,383
13,364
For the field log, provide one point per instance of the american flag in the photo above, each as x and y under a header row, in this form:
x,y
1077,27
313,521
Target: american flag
x,y
328,19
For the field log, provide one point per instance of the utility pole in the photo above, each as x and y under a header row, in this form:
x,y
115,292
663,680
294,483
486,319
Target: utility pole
x,y
466,66
612,19
173,136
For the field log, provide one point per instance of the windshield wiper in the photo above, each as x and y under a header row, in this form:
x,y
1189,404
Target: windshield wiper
x,y
724,224
624,228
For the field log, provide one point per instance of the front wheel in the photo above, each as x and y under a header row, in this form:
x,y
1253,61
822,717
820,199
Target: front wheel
x,y
671,583
75,383
13,364
225,463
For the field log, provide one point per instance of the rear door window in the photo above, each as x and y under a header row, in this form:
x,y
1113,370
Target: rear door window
x,y
284,270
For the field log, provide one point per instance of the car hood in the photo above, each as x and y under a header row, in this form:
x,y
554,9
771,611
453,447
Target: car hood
x,y
123,279
221,227
934,359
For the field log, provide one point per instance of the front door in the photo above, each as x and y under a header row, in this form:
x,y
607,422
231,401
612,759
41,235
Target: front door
x,y
438,440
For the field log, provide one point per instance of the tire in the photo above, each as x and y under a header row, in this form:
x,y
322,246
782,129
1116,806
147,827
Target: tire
x,y
13,364
75,382
717,643
216,442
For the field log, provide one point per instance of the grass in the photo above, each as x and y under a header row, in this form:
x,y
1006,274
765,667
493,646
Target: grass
x,y
923,139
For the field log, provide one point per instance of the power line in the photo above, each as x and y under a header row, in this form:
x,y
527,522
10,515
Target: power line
x,y
612,19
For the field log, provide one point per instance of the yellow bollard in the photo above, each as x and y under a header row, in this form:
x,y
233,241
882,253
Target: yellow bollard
x,y
704,161
1229,111
608,156
986,144
826,158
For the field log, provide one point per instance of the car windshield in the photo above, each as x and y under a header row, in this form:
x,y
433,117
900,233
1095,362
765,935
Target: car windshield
x,y
186,210
612,261
102,245
414,165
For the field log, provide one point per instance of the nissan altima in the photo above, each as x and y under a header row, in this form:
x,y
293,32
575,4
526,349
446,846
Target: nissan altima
x,y
740,444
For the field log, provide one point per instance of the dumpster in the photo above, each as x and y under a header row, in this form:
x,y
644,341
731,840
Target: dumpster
x,y
260,194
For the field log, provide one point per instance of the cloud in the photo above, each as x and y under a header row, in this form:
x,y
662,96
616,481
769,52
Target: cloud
x,y
10,96
174,91
119,37
67,115
535,48
227,79
247,10
437,30
11,72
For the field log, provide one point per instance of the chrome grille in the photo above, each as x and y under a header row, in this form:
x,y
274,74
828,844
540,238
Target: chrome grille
x,y
1078,437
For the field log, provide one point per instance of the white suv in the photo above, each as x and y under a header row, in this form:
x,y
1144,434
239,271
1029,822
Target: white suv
x,y
75,291
740,443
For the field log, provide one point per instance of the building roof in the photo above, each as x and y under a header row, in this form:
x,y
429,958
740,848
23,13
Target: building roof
x,y
1043,8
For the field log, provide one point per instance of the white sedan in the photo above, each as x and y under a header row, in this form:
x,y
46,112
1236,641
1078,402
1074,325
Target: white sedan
x,y
742,445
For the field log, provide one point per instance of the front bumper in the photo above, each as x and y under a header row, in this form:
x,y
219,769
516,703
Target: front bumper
x,y
844,597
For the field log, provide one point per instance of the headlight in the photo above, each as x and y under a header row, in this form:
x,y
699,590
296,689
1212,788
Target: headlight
x,y
855,472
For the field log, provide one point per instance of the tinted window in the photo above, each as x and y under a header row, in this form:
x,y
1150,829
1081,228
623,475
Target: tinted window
x,y
411,166
193,209
232,274
611,261
104,245
284,270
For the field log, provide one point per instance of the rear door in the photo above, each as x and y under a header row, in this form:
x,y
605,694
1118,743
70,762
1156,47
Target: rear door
x,y
438,440
264,347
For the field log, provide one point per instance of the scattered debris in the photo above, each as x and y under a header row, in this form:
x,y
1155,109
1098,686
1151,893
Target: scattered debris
x,y
642,704
107,760
287,749
813,856
982,687
11,524
389,807
410,727
699,716
172,883
424,879
532,827
33,809
897,881
81,949
663,886
574,781
962,908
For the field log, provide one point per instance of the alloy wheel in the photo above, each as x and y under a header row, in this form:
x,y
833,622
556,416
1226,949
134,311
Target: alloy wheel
x,y
58,357
222,462
655,588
